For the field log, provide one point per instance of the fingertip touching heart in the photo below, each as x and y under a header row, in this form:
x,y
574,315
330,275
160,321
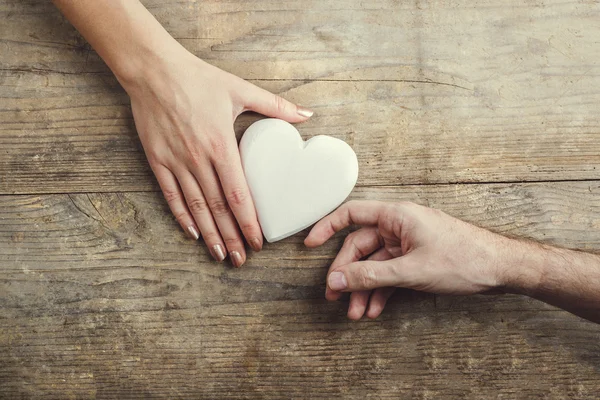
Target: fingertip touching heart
x,y
294,183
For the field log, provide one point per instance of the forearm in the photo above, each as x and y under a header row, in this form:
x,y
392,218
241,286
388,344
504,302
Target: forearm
x,y
564,278
127,37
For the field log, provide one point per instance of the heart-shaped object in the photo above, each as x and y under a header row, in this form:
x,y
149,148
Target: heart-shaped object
x,y
294,183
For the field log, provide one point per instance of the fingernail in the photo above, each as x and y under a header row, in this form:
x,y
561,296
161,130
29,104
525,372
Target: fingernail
x,y
236,259
217,252
255,244
193,232
305,112
337,281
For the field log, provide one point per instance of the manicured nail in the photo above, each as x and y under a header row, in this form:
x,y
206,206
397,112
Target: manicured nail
x,y
305,112
236,259
255,244
337,281
217,252
193,232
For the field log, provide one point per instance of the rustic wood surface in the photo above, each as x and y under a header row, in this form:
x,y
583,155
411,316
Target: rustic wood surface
x,y
485,109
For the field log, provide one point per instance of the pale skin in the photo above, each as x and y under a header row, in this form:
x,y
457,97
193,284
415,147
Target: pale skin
x,y
411,246
184,111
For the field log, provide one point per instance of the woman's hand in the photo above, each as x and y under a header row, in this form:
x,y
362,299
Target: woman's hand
x,y
410,246
184,110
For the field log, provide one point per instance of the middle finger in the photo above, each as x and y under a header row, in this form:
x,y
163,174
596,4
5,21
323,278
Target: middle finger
x,y
202,215
209,182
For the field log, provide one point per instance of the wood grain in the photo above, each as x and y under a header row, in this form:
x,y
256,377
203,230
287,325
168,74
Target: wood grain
x,y
510,96
484,109
101,296
298,349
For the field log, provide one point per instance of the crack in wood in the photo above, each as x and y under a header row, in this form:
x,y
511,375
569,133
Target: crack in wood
x,y
79,208
34,70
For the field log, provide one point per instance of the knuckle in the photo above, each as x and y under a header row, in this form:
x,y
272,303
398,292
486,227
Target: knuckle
x,y
351,203
358,253
367,277
350,242
406,206
211,237
402,208
390,212
346,208
171,196
280,104
331,228
237,197
195,156
154,157
197,206
248,227
219,207
233,243
181,217
218,147
250,230
349,239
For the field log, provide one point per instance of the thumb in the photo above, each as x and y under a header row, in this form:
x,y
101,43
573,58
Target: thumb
x,y
271,105
366,275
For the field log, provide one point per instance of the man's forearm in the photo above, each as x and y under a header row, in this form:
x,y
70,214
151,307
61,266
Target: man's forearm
x,y
565,278
127,37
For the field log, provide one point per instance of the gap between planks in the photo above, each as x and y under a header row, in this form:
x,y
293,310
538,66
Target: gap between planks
x,y
357,186
42,71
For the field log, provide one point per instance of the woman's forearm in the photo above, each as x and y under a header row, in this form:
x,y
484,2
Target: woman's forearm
x,y
127,37
565,278
184,111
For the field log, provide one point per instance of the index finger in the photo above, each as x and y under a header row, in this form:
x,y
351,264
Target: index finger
x,y
365,213
357,246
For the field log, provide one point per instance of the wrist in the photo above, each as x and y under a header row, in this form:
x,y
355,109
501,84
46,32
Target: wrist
x,y
149,64
523,265
125,35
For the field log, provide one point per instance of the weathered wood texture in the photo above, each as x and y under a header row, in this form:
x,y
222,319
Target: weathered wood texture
x,y
435,92
102,295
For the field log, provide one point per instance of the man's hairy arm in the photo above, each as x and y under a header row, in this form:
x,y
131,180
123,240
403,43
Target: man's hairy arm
x,y
565,278
415,247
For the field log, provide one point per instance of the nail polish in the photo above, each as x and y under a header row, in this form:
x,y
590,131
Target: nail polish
x,y
217,252
193,232
305,112
236,259
255,244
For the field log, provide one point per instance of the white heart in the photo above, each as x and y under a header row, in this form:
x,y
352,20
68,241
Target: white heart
x,y
294,183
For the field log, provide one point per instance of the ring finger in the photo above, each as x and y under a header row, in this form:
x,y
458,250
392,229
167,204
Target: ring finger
x,y
223,217
197,205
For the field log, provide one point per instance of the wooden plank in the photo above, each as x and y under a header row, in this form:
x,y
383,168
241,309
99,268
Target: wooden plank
x,y
261,39
511,95
102,296
294,349
133,229
80,138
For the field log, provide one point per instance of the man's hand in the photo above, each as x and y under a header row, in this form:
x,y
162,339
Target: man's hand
x,y
415,247
410,246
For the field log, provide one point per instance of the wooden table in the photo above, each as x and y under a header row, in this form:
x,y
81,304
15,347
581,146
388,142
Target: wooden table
x,y
486,109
